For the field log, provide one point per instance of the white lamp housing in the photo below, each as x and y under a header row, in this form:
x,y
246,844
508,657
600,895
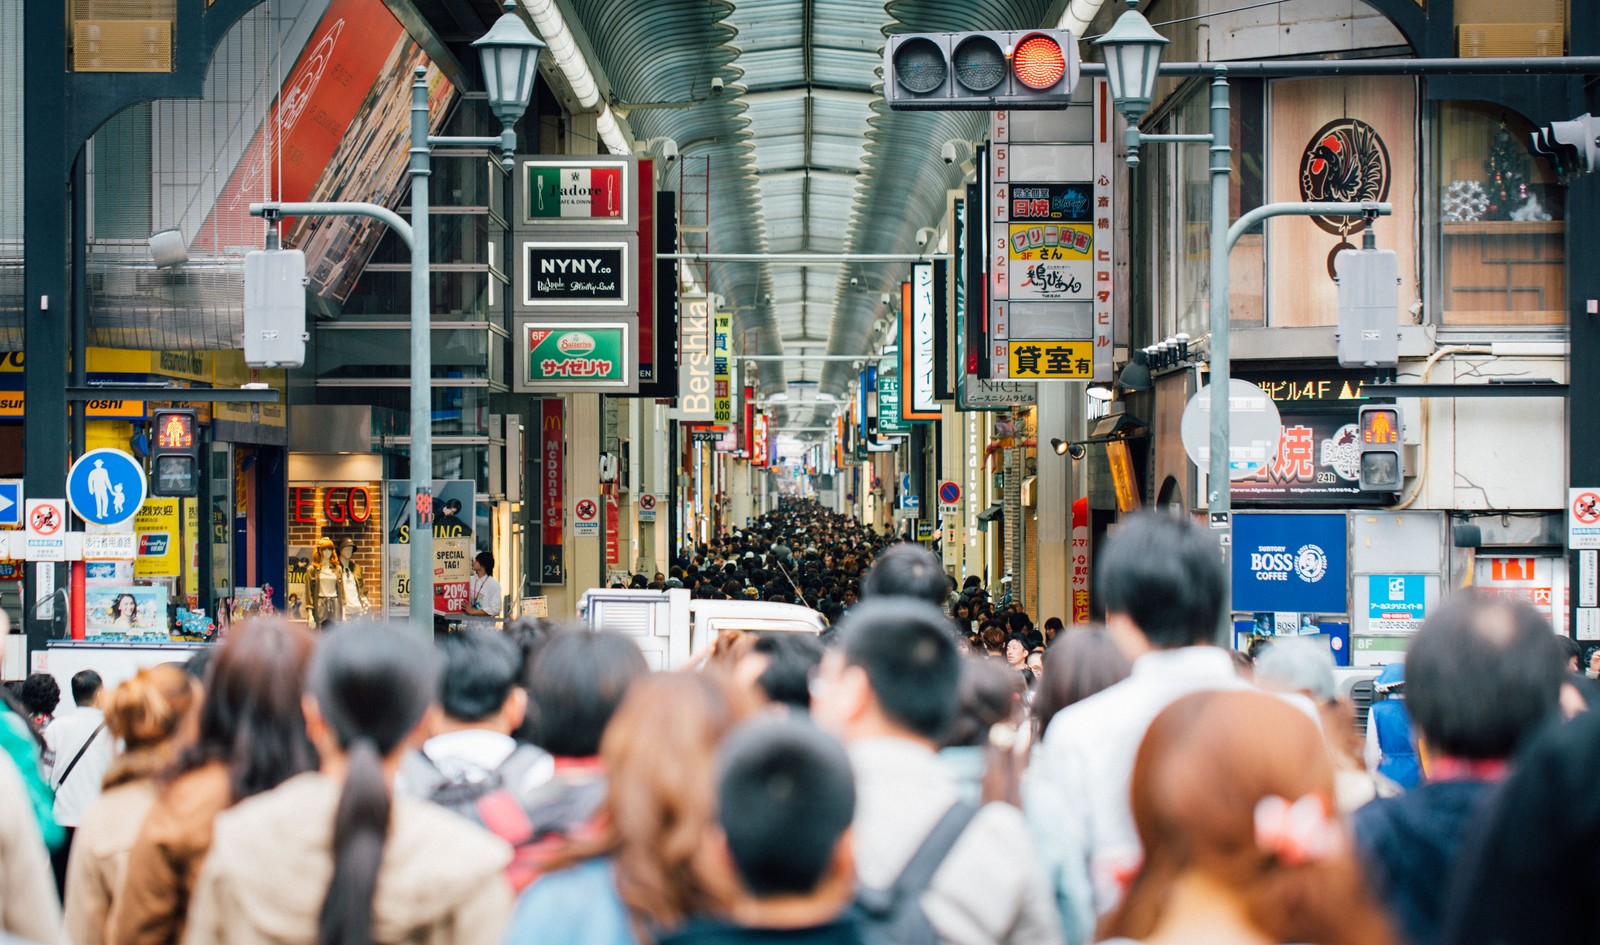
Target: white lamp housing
x,y
1132,50
510,56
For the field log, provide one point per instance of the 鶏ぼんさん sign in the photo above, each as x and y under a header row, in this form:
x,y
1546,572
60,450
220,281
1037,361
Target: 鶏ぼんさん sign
x,y
1290,562
577,356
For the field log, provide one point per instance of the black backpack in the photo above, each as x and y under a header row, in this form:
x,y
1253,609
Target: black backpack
x,y
894,916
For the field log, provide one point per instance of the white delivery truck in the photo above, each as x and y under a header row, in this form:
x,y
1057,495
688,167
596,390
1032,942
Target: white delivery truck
x,y
670,626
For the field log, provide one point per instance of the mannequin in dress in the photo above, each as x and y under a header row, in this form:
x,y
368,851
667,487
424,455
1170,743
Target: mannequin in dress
x,y
352,587
323,605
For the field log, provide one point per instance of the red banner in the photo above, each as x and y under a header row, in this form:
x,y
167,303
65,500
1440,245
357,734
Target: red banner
x,y
552,476
613,533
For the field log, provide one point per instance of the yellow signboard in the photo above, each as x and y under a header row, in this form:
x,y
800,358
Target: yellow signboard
x,y
1036,360
164,548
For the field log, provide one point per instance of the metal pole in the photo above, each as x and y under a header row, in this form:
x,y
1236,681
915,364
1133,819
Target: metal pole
x,y
421,540
1219,500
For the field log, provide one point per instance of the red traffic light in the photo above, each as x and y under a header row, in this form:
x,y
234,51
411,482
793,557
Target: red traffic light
x,y
1380,426
1039,62
174,431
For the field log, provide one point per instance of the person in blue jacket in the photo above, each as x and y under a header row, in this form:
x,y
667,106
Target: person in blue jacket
x,y
1391,749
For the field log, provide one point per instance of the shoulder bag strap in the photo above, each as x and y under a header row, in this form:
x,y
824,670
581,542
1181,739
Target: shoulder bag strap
x,y
74,762
935,847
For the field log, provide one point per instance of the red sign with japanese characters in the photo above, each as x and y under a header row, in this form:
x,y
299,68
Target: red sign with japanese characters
x,y
1318,461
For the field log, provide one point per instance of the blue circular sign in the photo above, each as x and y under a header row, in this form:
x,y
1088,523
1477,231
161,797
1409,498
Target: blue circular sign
x,y
106,487
949,493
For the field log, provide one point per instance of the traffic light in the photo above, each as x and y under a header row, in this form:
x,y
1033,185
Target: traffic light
x,y
1572,146
1381,467
175,453
983,71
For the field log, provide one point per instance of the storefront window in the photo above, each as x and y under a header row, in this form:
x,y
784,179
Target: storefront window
x,y
1502,242
1498,28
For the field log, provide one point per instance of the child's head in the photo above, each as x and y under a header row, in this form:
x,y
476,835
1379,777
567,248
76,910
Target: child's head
x,y
785,798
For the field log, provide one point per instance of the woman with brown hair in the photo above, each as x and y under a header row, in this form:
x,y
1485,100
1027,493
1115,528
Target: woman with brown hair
x,y
252,737
152,717
1232,798
645,872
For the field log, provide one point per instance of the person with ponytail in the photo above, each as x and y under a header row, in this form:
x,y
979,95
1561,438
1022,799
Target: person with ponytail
x,y
1232,799
251,738
333,856
152,717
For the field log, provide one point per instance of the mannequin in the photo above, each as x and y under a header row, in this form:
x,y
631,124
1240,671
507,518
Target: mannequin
x,y
323,605
352,589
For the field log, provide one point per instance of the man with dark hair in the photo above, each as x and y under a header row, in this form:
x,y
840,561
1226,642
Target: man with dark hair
x,y
1161,581
575,684
907,570
1482,674
80,750
784,805
888,689
778,668
471,764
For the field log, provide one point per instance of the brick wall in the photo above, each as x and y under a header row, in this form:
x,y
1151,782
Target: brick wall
x,y
333,510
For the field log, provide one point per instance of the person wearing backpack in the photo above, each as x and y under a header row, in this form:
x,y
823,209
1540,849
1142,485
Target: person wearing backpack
x,y
931,868
471,764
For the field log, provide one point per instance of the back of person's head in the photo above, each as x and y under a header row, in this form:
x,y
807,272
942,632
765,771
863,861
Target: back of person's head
x,y
1482,673
658,753
791,659
1297,664
480,669
86,685
574,686
1080,663
250,716
906,570
1165,574
1213,766
907,649
785,796
372,684
986,695
146,713
40,694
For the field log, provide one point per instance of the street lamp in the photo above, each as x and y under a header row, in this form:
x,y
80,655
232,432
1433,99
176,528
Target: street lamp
x,y
1132,50
510,56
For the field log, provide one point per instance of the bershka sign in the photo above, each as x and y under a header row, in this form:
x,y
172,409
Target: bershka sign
x,y
566,274
696,377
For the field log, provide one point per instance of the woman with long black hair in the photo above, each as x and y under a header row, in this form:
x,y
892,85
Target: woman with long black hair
x,y
333,856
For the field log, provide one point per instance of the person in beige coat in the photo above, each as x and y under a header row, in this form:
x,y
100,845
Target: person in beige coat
x,y
28,906
152,717
332,856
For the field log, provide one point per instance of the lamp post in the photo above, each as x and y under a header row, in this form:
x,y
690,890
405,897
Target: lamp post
x,y
509,54
1132,50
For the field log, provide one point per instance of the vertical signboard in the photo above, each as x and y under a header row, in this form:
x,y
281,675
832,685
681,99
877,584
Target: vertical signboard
x,y
613,529
552,455
919,400
723,378
1050,246
696,375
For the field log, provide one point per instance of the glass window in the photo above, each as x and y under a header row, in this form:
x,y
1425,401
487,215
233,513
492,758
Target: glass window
x,y
1501,28
1502,243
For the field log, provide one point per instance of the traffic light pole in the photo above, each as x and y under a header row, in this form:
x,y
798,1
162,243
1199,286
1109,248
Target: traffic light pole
x,y
1219,499
415,236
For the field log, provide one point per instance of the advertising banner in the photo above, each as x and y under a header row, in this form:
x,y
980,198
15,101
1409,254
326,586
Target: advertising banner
x,y
453,510
582,275
890,417
576,356
1396,603
919,399
578,192
696,377
722,331
552,497
133,614
1290,563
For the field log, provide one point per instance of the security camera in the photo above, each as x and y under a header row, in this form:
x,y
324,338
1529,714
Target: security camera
x,y
716,85
669,150
924,235
854,282
949,153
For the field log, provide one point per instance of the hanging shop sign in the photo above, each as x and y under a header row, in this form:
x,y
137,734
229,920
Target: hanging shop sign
x,y
552,479
574,192
919,399
585,275
722,371
890,417
696,371
1289,562
975,393
576,356
1050,248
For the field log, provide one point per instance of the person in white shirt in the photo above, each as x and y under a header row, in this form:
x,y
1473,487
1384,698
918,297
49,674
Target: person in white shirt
x,y
82,749
889,691
1161,582
483,592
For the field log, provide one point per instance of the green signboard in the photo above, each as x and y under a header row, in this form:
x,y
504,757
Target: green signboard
x,y
572,355
890,422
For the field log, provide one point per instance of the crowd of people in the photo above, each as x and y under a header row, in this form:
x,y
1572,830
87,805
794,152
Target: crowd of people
x,y
899,780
